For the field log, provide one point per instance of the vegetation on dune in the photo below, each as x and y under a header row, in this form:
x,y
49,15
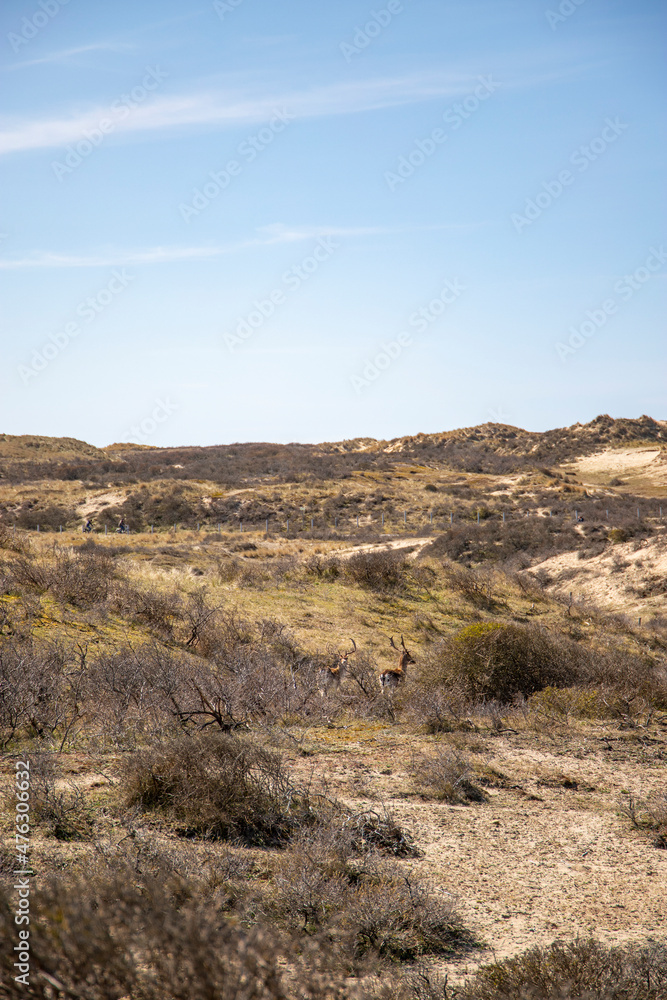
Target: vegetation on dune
x,y
209,853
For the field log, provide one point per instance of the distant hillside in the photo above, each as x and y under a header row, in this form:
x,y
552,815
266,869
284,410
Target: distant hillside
x,y
31,447
547,446
497,449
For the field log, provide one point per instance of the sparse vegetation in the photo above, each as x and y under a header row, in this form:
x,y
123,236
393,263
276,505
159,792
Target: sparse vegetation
x,y
208,821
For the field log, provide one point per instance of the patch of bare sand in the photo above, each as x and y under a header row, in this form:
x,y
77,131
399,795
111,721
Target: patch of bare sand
x,y
538,860
414,544
629,577
93,505
644,470
619,460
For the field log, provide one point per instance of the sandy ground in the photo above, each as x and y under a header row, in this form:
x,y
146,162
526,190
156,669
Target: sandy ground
x,y
97,503
414,544
538,860
642,470
627,577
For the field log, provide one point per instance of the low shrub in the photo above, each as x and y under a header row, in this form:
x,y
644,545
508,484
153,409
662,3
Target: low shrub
x,y
60,813
118,935
216,786
649,815
364,909
578,970
493,661
446,775
380,570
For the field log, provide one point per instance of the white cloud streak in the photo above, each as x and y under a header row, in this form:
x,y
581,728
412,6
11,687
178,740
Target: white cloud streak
x,y
268,236
230,110
65,54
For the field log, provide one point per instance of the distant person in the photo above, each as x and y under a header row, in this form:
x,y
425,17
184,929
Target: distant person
x,y
122,527
88,526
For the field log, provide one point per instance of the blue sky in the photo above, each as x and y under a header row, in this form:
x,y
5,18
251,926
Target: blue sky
x,y
314,220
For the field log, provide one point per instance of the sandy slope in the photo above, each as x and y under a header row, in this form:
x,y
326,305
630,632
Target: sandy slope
x,y
630,577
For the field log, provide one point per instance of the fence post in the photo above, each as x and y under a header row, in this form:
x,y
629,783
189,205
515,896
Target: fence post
x,y
451,517
383,519
335,522
288,525
241,525
431,518
267,525
637,513
405,517
61,529
357,520
151,529
38,527
503,517
478,517
311,523
105,529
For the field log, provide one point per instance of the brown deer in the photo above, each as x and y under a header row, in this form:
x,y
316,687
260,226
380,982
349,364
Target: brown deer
x,y
390,679
332,676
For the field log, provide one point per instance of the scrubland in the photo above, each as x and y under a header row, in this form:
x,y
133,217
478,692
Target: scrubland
x,y
209,819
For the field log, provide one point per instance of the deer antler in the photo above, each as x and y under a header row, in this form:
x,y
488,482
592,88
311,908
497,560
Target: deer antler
x,y
349,652
392,643
403,644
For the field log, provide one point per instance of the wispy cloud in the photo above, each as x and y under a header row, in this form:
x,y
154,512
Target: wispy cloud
x,y
65,54
229,109
267,236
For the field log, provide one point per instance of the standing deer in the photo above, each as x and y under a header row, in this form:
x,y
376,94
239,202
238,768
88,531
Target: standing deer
x,y
332,676
390,679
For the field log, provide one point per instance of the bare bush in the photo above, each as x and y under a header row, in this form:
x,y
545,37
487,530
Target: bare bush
x,y
114,935
218,787
81,578
62,813
445,775
159,610
369,909
474,585
647,814
380,570
579,970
